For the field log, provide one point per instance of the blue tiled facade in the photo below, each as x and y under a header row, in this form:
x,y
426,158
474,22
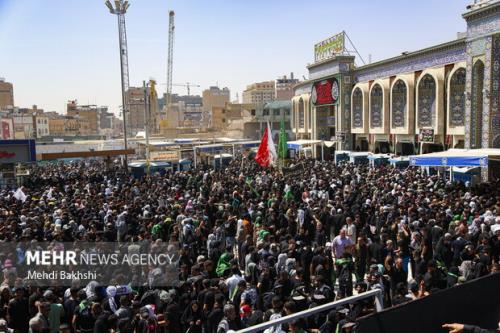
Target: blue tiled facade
x,y
452,94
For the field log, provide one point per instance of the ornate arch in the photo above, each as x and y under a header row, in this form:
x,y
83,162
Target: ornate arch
x,y
302,116
399,103
427,89
376,106
496,142
456,101
357,108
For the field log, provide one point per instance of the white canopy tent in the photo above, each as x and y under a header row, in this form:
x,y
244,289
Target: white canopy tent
x,y
303,144
457,158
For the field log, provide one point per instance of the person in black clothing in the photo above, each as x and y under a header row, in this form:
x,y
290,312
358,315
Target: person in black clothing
x,y
83,320
400,294
443,251
4,301
192,318
18,312
419,266
70,304
432,278
375,251
104,320
398,275
346,269
241,286
215,315
361,258
322,293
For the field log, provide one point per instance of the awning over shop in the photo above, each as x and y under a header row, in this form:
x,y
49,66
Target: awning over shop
x,y
457,157
300,143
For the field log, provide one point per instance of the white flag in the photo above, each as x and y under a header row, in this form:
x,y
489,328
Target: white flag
x,y
272,148
19,195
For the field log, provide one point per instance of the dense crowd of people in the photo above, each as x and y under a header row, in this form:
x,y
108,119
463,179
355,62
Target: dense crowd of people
x,y
255,244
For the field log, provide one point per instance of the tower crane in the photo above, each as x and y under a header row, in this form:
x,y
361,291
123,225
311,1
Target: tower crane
x,y
170,57
188,85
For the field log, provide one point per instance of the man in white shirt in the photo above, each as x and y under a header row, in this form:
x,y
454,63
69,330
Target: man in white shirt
x,y
340,243
350,230
233,280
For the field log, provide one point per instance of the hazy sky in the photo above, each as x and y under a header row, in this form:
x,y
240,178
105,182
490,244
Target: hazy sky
x,y
56,50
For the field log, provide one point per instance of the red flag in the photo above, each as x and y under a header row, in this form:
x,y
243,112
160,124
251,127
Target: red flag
x,y
266,155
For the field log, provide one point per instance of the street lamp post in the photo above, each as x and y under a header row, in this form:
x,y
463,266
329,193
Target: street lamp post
x,y
119,10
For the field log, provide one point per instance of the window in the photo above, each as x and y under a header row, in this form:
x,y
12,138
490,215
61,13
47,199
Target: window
x,y
376,107
276,112
301,113
357,108
457,98
426,101
223,120
265,113
253,112
399,102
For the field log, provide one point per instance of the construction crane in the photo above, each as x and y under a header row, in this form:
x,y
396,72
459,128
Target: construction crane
x,y
188,85
171,30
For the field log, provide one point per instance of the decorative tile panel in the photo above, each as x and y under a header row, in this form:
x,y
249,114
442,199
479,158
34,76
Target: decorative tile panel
x,y
412,64
483,26
468,91
495,94
457,98
477,104
495,129
324,70
486,94
478,47
399,103
426,101
347,114
376,106
357,108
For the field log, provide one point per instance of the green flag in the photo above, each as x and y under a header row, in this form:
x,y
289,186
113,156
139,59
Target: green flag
x,y
282,145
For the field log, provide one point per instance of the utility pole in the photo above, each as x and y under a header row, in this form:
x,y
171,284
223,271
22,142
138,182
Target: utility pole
x,y
119,10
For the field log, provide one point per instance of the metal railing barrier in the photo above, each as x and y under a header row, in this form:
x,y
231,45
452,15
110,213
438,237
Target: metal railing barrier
x,y
377,293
